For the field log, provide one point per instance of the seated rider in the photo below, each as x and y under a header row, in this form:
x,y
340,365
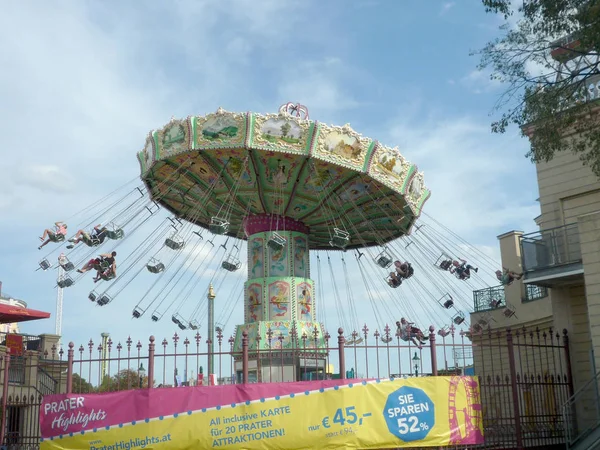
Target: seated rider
x,y
56,235
506,277
105,263
404,269
408,332
98,235
108,267
394,280
445,264
462,270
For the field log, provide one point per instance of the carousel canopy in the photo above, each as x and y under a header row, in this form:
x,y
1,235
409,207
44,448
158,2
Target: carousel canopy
x,y
225,167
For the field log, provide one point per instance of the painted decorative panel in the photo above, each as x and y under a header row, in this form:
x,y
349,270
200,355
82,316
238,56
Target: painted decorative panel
x,y
256,254
343,146
301,256
304,301
278,264
174,138
219,130
254,302
279,300
281,133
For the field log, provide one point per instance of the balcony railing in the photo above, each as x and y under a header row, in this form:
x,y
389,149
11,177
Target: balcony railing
x,y
550,248
489,298
533,292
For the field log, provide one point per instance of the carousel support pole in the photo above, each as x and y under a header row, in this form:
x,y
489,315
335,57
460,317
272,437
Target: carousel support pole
x,y
433,349
151,350
245,357
211,331
341,342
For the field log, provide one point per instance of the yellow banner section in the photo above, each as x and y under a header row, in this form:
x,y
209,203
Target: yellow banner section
x,y
416,412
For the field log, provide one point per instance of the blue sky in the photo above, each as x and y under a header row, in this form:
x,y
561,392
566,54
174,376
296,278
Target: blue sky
x,y
84,82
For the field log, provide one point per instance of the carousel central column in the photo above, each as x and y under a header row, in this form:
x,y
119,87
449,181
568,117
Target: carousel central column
x,y
279,298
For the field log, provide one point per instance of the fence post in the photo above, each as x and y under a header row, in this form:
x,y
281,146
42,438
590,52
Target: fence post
x,y
433,349
573,426
4,395
245,357
151,363
70,356
568,363
342,357
514,388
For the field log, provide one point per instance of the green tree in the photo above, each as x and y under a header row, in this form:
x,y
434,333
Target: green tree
x,y
123,380
81,385
285,129
549,61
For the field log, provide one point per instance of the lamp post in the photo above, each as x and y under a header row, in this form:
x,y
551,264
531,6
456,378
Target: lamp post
x,y
142,372
416,361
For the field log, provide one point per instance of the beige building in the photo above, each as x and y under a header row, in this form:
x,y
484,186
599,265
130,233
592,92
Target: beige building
x,y
560,288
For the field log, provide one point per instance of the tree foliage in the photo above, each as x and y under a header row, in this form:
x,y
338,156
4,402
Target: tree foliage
x,y
548,56
81,385
123,380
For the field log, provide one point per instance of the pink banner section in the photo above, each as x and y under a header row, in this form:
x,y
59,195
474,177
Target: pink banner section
x,y
66,414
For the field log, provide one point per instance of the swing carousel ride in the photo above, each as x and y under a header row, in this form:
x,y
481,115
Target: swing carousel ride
x,y
291,188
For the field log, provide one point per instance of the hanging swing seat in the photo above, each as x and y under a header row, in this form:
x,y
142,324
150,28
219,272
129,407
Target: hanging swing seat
x,y
443,262
218,225
107,276
45,264
383,260
340,238
155,266
386,339
56,237
65,282
90,241
349,340
104,300
509,311
446,301
175,242
358,340
231,264
444,332
276,242
458,318
92,296
156,316
178,320
64,262
137,312
394,282
194,325
114,232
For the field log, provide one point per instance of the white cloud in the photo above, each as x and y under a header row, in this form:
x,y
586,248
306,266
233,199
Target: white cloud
x,y
447,6
318,84
480,81
476,184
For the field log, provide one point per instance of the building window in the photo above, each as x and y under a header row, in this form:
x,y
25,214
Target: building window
x,y
533,293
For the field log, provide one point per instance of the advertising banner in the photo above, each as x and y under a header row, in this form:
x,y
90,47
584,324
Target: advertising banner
x,y
332,414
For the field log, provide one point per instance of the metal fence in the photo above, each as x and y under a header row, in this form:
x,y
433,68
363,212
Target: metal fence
x,y
519,373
